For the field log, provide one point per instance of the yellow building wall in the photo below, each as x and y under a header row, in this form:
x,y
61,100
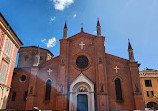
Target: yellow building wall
x,y
153,76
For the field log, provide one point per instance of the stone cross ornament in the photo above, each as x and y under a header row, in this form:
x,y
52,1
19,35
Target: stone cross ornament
x,y
116,68
82,44
49,71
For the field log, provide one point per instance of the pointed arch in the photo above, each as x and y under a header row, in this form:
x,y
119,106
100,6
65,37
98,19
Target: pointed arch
x,y
48,89
81,85
123,80
118,90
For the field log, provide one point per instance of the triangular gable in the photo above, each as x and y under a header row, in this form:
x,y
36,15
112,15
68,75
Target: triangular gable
x,y
82,79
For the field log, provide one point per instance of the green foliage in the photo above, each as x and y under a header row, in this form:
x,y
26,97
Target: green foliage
x,y
156,95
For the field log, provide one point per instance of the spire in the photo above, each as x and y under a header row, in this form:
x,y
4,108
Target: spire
x,y
129,45
65,31
98,23
130,52
65,27
37,57
98,28
81,29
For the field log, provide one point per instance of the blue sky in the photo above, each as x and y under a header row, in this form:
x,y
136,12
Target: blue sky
x,y
41,22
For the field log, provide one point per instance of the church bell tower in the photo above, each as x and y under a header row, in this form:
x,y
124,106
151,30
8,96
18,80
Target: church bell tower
x,y
65,31
130,52
98,28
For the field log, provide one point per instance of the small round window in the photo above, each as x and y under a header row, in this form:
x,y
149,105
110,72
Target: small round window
x,y
82,61
23,78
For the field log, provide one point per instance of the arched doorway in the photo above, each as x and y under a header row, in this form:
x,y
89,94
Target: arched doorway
x,y
152,105
81,95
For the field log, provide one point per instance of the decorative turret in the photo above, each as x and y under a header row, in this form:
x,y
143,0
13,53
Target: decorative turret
x,y
98,28
65,31
130,52
81,29
37,58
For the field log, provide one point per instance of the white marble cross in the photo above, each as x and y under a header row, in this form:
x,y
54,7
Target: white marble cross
x,y
81,44
116,68
49,71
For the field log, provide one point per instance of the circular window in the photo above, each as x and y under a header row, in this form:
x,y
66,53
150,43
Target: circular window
x,y
82,61
23,78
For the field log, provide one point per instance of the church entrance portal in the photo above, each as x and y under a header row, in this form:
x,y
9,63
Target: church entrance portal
x,y
81,94
82,102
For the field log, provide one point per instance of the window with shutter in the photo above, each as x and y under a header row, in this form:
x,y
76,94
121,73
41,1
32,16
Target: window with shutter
x,y
1,40
150,93
8,47
3,72
148,83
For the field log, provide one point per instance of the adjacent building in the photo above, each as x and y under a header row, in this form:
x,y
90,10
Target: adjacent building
x,y
9,44
82,78
149,84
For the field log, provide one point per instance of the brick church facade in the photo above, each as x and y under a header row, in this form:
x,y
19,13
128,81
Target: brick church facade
x,y
82,78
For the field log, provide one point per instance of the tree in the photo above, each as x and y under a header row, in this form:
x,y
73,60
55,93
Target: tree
x,y
156,95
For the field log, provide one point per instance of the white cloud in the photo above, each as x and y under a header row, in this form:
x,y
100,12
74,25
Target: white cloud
x,y
43,40
50,43
74,16
52,19
61,4
95,32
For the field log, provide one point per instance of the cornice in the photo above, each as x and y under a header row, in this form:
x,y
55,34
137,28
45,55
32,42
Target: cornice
x,y
9,31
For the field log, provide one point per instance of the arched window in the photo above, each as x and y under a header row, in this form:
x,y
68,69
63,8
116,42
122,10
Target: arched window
x,y
118,90
48,90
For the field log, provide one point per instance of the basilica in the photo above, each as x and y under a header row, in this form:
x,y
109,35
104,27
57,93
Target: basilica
x,y
82,78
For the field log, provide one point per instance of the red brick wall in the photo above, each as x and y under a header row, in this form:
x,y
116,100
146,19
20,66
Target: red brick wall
x,y
30,52
124,75
66,73
19,87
